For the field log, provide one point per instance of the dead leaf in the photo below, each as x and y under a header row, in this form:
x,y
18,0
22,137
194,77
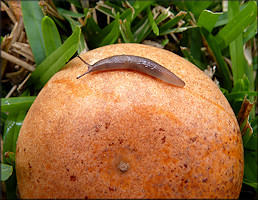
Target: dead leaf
x,y
15,6
243,120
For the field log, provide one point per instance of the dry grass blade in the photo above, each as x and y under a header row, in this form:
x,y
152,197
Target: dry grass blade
x,y
11,91
8,11
18,31
23,50
13,75
15,6
49,9
13,47
5,46
23,82
17,61
24,54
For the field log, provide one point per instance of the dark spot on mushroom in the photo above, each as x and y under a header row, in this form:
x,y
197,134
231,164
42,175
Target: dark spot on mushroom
x,y
86,197
163,140
193,139
204,138
111,189
161,129
81,161
29,165
215,135
185,165
38,180
111,144
72,178
67,169
107,124
204,180
120,141
24,149
97,129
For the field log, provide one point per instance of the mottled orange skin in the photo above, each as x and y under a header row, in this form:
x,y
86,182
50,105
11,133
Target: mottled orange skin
x,y
179,142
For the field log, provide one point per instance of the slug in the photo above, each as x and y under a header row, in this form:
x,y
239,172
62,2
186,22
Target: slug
x,y
135,63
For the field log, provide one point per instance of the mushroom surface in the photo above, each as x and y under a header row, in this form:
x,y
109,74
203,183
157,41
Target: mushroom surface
x,y
124,134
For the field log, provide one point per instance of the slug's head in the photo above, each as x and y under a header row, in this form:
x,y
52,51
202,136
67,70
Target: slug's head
x,y
89,66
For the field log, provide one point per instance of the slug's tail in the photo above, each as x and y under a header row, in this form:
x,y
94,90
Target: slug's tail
x,y
89,67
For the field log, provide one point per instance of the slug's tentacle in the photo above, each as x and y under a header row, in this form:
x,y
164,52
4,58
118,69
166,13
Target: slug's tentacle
x,y
89,67
135,63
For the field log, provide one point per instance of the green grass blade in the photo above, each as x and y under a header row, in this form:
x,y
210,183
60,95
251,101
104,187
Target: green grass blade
x,y
172,22
250,183
106,10
196,7
64,12
250,169
76,3
32,16
208,19
190,58
117,5
16,103
82,44
11,185
196,43
125,30
51,35
222,20
236,53
252,143
56,60
241,95
237,25
97,37
143,30
221,64
164,15
11,130
6,171
140,6
154,26
10,158
250,32
176,30
110,33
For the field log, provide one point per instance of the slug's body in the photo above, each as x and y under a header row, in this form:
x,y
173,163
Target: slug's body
x,y
135,63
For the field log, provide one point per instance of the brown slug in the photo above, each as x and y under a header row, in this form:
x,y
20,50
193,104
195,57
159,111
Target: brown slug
x,y
135,63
